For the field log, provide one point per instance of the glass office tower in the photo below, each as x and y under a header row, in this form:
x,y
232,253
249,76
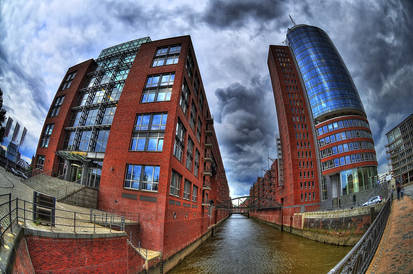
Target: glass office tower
x,y
344,141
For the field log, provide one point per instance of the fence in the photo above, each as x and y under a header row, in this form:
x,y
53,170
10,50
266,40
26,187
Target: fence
x,y
17,210
360,256
6,219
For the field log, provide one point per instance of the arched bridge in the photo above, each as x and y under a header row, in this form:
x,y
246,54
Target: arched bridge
x,y
246,203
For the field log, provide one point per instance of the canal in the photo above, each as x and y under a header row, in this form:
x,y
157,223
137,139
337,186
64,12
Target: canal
x,y
242,245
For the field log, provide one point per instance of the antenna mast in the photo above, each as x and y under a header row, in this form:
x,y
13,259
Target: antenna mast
x,y
292,20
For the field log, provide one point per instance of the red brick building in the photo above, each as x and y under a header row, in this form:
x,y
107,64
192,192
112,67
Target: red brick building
x,y
326,151
298,189
135,124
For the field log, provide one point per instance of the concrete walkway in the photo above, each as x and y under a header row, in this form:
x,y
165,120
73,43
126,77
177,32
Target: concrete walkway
x,y
395,251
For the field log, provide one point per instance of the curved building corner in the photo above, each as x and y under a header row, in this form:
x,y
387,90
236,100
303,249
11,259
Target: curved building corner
x,y
344,143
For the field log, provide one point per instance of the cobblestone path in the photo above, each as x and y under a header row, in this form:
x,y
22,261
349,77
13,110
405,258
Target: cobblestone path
x,y
395,251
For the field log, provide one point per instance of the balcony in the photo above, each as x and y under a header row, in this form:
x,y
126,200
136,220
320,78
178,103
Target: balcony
x,y
207,173
208,157
206,187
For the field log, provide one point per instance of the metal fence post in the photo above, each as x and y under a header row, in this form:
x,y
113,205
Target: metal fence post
x,y
91,212
11,225
24,212
17,210
74,222
94,223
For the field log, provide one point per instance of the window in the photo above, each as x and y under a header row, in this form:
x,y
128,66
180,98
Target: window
x,y
46,135
201,102
68,82
192,120
91,117
179,140
129,58
76,118
40,162
158,88
160,80
175,183
189,65
122,75
102,139
70,140
91,82
166,56
116,92
187,189
189,153
142,177
199,130
196,84
196,168
183,101
195,193
84,98
99,95
56,106
108,116
84,140
148,133
106,77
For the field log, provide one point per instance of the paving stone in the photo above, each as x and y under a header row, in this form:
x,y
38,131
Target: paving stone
x,y
394,251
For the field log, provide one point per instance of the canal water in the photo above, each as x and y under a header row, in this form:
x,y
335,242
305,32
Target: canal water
x,y
242,245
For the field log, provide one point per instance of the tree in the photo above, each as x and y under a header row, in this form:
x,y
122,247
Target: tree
x,y
2,116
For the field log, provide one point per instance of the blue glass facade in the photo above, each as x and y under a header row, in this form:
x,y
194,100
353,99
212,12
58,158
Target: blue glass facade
x,y
326,78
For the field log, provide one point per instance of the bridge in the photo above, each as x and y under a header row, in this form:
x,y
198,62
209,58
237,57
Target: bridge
x,y
244,204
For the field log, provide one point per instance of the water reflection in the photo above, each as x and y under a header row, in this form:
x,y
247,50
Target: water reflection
x,y
242,245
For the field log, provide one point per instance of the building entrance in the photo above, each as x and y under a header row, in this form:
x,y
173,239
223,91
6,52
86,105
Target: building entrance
x,y
94,173
75,173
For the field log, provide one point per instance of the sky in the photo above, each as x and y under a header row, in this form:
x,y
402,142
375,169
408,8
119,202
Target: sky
x,y
40,40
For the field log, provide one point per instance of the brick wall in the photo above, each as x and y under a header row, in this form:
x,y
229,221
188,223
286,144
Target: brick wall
x,y
22,263
78,255
340,227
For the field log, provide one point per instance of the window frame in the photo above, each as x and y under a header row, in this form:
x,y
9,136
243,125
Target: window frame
x,y
148,133
187,192
158,88
141,182
55,110
47,133
175,186
165,56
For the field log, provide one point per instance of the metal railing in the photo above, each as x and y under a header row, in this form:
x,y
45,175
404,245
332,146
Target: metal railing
x,y
360,256
6,218
18,210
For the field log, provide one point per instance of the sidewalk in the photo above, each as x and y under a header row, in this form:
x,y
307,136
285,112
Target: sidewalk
x,y
395,251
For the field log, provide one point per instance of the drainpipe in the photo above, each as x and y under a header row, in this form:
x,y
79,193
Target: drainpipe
x,y
282,216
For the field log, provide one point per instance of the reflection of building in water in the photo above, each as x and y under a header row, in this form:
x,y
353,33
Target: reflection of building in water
x,y
13,140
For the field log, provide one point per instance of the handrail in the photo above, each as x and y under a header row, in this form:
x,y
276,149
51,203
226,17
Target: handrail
x,y
77,220
360,256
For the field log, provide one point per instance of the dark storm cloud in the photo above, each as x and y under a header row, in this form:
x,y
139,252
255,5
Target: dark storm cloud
x,y
132,14
237,13
247,119
382,47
